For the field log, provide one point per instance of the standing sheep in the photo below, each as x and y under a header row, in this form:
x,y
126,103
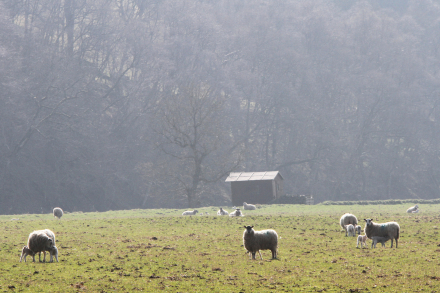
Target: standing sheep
x,y
39,241
389,229
380,240
412,209
362,239
222,212
249,206
58,213
358,229
254,241
190,213
350,230
347,219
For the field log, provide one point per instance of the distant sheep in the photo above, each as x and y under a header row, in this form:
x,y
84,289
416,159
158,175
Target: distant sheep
x,y
40,241
350,230
347,219
254,241
362,239
58,213
236,213
377,239
416,211
358,229
249,206
412,209
222,212
190,213
389,229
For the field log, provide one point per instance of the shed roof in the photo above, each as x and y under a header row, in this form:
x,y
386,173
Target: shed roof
x,y
252,176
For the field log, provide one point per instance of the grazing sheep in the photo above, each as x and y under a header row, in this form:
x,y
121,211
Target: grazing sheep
x,y
358,229
190,213
58,213
41,241
390,230
236,213
347,219
412,209
350,230
362,239
379,239
25,252
249,206
254,241
222,212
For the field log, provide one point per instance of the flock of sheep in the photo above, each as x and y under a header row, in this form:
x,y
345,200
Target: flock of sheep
x,y
253,241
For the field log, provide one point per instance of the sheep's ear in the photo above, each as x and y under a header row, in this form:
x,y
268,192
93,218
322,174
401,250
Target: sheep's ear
x,y
252,226
245,227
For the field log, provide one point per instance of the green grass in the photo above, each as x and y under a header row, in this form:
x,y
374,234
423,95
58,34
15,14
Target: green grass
x,y
154,250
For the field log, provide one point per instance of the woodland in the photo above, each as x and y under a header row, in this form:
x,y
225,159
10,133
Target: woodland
x,y
121,104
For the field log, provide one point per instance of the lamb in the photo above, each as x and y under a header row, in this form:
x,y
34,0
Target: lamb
x,y
358,228
236,213
58,213
190,213
249,206
362,239
25,252
347,219
412,209
350,230
379,239
254,241
222,212
40,241
389,229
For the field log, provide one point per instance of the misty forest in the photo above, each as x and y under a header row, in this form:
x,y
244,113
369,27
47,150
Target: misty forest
x,y
122,104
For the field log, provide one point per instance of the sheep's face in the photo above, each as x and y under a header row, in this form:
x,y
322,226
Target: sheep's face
x,y
369,221
249,229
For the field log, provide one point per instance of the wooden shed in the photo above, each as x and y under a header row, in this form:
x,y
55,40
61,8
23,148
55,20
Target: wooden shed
x,y
255,187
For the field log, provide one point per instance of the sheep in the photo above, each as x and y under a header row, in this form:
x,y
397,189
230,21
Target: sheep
x,y
350,230
416,211
347,219
254,241
25,252
41,241
58,213
190,213
222,212
249,206
362,239
412,209
236,213
389,229
379,239
358,229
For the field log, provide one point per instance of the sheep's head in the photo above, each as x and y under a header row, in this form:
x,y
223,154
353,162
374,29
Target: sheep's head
x,y
369,221
249,229
196,211
244,203
416,206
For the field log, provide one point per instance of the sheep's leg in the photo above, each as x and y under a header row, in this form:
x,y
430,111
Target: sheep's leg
x,y
33,258
391,242
260,255
396,241
253,255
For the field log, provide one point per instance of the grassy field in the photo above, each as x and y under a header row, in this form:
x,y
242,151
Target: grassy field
x,y
159,250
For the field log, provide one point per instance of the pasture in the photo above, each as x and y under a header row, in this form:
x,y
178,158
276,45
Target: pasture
x,y
159,250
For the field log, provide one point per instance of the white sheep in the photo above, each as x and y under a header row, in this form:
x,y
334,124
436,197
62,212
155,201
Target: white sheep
x,y
254,241
236,213
58,213
222,212
416,211
362,239
350,230
249,206
377,239
358,229
412,209
190,213
40,241
347,219
389,229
